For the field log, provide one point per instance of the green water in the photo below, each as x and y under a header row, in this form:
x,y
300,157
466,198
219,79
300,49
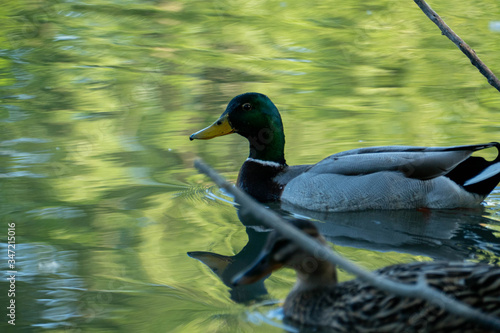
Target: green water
x,y
98,99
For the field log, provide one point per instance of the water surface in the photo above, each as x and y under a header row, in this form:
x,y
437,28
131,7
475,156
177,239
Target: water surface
x,y
98,99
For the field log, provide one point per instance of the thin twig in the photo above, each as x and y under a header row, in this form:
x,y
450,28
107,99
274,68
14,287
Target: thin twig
x,y
273,220
466,49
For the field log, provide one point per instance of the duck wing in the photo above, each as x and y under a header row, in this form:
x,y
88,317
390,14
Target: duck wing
x,y
414,162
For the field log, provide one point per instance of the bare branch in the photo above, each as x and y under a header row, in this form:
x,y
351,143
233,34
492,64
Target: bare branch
x,y
466,49
273,220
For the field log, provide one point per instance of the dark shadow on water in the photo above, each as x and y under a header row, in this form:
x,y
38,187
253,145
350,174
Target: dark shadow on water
x,y
438,234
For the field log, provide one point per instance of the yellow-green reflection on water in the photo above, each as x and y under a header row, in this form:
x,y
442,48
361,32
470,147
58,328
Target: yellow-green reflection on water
x,y
98,99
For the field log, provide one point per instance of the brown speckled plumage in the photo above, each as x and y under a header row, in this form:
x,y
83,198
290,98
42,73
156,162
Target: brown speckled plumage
x,y
318,301
354,306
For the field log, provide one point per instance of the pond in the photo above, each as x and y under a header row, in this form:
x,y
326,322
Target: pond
x,y
98,99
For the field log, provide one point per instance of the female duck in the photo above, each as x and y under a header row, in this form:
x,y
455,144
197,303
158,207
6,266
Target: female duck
x,y
391,177
318,301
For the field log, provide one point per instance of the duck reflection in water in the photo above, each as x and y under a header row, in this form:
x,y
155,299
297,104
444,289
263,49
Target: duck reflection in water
x,y
319,301
437,234
226,267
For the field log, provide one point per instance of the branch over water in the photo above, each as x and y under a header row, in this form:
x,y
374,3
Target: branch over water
x,y
466,49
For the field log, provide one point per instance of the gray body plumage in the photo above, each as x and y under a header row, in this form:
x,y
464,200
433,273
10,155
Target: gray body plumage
x,y
392,177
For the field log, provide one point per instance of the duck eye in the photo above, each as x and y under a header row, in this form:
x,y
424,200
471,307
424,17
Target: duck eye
x,y
247,106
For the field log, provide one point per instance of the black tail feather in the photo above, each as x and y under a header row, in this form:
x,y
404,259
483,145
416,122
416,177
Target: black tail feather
x,y
472,167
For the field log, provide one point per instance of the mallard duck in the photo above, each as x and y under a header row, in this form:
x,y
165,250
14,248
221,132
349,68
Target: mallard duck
x,y
390,177
319,301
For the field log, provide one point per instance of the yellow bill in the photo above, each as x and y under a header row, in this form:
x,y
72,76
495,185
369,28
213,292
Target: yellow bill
x,y
219,128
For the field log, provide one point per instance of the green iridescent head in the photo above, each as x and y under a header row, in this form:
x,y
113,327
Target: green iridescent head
x,y
255,117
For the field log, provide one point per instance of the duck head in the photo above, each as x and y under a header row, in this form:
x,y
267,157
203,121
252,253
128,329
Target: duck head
x,y
255,117
312,271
